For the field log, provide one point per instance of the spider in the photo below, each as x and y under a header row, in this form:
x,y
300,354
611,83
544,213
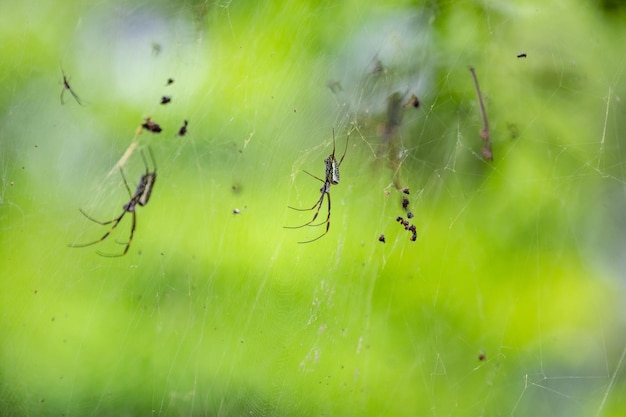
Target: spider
x,y
331,178
141,197
66,86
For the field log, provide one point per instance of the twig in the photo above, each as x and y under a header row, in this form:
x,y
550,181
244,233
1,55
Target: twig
x,y
487,154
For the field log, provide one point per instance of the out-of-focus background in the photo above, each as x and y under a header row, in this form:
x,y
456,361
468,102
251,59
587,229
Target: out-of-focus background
x,y
505,296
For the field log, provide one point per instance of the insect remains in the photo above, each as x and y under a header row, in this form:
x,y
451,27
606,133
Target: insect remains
x,y
408,227
183,129
151,126
140,197
331,178
412,102
68,87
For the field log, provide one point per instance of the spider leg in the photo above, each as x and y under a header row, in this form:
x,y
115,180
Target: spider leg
x,y
66,86
319,224
317,203
115,222
130,239
317,178
130,194
65,83
75,96
317,206
151,157
345,150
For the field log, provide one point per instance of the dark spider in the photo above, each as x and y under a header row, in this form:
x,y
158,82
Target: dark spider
x,y
141,197
67,86
331,178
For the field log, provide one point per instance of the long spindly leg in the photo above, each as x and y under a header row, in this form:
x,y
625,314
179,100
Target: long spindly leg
x,y
151,157
319,224
345,150
316,207
130,194
130,239
75,96
318,203
316,177
332,155
115,222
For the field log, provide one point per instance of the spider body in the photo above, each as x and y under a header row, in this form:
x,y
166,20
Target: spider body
x,y
332,169
143,191
140,197
331,178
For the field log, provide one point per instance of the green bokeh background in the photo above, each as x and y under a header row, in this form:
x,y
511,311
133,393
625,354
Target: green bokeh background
x,y
212,313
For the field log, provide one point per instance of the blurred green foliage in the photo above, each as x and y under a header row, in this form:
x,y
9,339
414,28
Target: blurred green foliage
x,y
508,303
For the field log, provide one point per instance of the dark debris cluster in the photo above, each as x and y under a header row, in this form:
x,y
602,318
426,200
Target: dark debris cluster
x,y
408,226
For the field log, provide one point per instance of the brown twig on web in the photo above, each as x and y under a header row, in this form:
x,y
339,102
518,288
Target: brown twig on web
x,y
487,154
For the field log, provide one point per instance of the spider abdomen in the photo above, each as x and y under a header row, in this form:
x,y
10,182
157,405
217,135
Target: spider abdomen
x,y
148,181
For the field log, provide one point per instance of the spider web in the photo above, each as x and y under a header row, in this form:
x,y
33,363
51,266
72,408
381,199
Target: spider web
x,y
508,302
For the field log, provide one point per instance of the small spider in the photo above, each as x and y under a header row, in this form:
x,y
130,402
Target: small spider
x,y
141,197
331,178
67,86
